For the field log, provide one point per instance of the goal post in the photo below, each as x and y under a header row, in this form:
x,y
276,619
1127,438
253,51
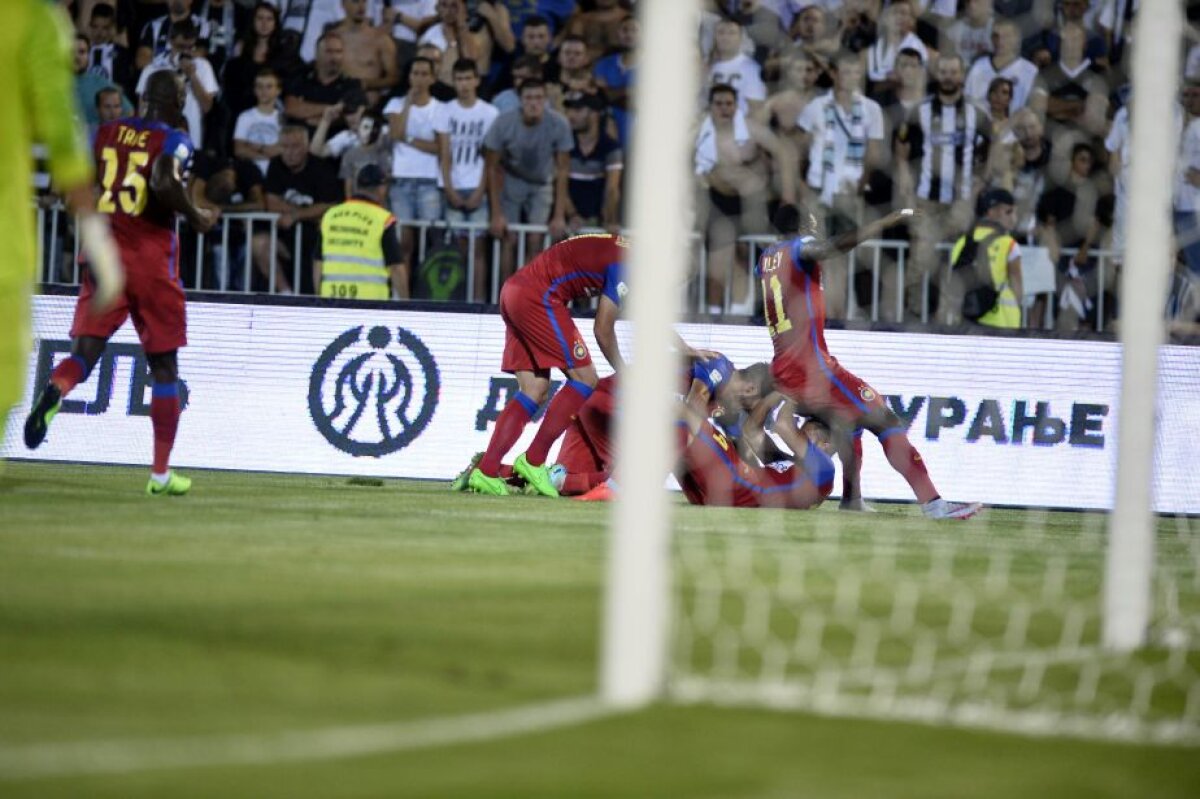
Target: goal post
x,y
1149,242
636,611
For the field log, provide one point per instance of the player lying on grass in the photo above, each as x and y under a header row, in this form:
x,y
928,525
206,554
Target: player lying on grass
x,y
712,472
585,458
808,375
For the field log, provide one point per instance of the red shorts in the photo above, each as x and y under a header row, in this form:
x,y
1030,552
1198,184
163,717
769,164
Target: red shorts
x,y
539,333
587,446
153,298
826,390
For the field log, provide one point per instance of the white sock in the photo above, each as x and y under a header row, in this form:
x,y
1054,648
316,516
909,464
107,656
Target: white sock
x,y
161,479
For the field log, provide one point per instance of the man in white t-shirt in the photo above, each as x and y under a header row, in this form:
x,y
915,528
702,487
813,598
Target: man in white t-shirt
x,y
732,67
256,132
410,17
1005,62
461,127
844,131
414,194
197,74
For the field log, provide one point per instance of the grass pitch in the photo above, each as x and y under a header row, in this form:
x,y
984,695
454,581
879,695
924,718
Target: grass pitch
x,y
263,604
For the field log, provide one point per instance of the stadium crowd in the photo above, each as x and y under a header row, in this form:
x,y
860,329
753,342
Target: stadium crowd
x,y
490,113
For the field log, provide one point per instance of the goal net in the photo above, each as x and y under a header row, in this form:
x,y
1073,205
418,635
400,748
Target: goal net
x,y
1049,613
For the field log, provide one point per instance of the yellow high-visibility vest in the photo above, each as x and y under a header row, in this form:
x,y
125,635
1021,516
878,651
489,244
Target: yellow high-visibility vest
x,y
352,251
1007,312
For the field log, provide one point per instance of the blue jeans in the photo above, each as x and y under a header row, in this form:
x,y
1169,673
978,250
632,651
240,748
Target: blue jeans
x,y
416,199
1187,226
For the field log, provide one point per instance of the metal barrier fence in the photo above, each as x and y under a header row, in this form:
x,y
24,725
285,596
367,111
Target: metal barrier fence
x,y
210,263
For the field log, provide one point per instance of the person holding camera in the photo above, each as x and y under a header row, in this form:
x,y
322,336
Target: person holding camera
x,y
196,71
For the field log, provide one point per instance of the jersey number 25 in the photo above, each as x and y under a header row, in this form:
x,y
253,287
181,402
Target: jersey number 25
x,y
130,192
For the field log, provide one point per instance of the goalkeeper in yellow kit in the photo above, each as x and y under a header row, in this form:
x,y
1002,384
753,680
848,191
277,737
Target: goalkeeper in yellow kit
x,y
37,104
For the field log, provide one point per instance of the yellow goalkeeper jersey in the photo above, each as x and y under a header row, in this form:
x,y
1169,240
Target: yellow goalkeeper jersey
x,y
37,104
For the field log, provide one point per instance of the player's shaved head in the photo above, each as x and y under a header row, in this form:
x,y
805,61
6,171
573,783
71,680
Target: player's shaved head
x,y
165,95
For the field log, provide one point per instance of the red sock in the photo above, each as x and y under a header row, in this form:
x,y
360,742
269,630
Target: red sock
x,y
516,414
852,473
904,458
582,483
68,374
505,471
563,407
164,417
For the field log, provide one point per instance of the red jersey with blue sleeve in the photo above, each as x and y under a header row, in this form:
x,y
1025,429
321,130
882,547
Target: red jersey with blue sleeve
x,y
794,306
144,230
580,267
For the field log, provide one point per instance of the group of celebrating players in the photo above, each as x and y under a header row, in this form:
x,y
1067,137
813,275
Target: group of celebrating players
x,y
739,432
753,437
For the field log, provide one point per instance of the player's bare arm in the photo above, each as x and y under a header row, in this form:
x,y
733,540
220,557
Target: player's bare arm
x,y
166,181
606,332
820,250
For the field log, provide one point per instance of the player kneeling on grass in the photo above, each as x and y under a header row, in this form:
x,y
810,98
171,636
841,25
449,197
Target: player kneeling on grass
x,y
146,160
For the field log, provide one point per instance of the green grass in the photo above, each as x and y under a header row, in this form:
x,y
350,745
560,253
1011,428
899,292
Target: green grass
x,y
271,603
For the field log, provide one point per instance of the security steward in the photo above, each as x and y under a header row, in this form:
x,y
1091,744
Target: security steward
x,y
358,257
999,257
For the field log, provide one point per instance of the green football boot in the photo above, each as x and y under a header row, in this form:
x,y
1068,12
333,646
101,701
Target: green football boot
x,y
480,483
463,480
176,486
537,476
37,424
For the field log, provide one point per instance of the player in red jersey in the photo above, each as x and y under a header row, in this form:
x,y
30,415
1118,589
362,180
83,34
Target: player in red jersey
x,y
806,374
711,471
539,336
143,165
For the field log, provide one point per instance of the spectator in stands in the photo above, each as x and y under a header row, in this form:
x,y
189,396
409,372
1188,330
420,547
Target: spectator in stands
x,y
947,137
234,186
897,31
597,164
414,195
223,18
110,105
993,245
527,153
1005,62
536,40
326,84
1067,94
810,35
1115,22
899,103
523,69
1117,143
844,132
370,53
762,24
574,66
155,40
107,58
731,67
999,110
860,24
258,45
1043,47
367,140
600,26
409,19
615,75
440,90
731,164
300,189
461,129
309,20
256,133
89,84
1187,184
781,110
197,74
453,36
971,35
1068,217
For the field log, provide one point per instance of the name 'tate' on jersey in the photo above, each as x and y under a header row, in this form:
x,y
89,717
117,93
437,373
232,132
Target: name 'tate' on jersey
x,y
581,267
125,152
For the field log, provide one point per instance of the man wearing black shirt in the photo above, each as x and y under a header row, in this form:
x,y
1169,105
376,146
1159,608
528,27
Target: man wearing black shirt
x,y
594,183
232,185
300,189
307,97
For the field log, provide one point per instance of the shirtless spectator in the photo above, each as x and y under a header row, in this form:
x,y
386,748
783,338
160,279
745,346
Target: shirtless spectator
x,y
370,53
452,35
600,27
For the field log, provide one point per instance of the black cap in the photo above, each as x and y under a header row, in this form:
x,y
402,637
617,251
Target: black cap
x,y
369,177
993,197
583,100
